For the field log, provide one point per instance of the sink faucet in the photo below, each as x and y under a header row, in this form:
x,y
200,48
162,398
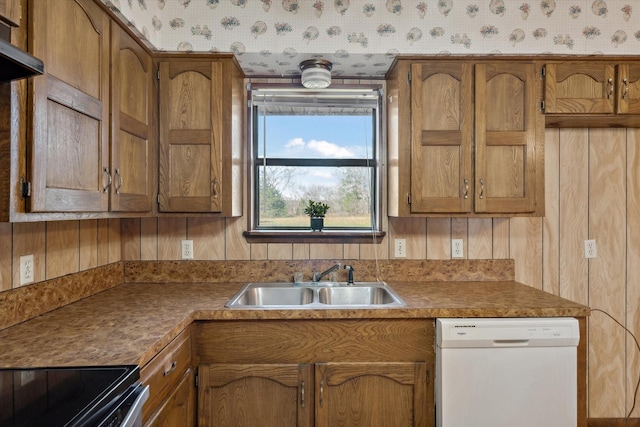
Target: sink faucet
x,y
351,270
317,276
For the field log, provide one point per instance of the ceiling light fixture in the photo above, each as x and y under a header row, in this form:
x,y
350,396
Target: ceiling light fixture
x,y
316,73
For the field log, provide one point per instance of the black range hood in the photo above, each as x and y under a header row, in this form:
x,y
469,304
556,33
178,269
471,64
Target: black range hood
x,y
16,63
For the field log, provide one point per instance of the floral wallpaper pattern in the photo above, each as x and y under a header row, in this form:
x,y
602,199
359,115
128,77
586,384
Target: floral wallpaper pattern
x,y
361,37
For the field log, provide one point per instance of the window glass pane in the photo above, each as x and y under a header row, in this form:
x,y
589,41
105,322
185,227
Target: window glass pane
x,y
285,190
315,136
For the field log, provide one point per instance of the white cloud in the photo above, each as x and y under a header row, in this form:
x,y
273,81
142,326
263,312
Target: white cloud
x,y
295,144
329,149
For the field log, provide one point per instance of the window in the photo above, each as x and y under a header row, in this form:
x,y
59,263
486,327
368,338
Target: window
x,y
318,145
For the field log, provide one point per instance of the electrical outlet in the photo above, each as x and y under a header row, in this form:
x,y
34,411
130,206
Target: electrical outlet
x,y
400,248
26,377
187,249
590,249
26,269
457,248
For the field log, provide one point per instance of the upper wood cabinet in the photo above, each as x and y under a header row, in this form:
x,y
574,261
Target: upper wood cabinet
x,y
11,12
70,107
201,127
81,161
132,119
594,87
476,139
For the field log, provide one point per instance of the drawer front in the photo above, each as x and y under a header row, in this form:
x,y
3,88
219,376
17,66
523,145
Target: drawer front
x,y
164,371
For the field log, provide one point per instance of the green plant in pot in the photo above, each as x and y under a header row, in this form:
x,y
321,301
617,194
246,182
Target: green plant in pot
x,y
316,211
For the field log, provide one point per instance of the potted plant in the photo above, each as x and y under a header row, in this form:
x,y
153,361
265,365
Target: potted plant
x,y
316,211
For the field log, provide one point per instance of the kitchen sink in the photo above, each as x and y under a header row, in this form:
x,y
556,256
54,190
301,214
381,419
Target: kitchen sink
x,y
311,295
356,295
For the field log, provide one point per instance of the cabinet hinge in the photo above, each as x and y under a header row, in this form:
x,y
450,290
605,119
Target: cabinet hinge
x,y
196,378
158,198
409,198
158,74
409,77
543,71
542,106
25,188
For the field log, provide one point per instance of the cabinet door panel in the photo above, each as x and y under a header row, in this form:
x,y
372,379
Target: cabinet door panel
x,y
131,118
246,395
579,87
372,394
190,146
629,88
70,160
10,12
442,137
178,410
506,138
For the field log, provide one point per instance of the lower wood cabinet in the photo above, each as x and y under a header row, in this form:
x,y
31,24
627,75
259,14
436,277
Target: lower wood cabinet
x,y
171,382
322,373
178,408
266,395
322,394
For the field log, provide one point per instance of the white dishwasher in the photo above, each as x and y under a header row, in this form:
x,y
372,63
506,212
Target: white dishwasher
x,y
506,372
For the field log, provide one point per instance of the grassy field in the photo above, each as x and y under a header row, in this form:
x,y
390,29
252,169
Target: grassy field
x,y
329,221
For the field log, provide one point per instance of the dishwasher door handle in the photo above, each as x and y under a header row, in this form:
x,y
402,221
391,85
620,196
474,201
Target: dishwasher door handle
x,y
510,343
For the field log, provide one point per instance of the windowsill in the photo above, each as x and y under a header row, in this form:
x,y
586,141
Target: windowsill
x,y
303,236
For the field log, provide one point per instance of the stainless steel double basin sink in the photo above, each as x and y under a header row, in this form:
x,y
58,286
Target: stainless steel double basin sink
x,y
311,295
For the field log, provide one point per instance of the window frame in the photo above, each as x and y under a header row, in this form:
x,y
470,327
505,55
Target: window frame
x,y
374,234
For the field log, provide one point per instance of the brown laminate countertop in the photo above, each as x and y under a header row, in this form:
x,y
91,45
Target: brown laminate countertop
x,y
131,323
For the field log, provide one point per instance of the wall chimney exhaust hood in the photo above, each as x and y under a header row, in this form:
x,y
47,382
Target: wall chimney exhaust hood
x,y
16,63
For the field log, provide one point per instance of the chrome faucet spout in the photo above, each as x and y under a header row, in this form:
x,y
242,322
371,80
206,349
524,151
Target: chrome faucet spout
x,y
318,276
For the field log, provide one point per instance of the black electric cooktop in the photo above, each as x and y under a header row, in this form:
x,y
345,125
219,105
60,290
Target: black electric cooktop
x,y
55,397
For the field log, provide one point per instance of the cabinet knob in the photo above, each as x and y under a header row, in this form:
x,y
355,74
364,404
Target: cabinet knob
x,y
610,83
172,368
466,188
214,188
119,181
107,177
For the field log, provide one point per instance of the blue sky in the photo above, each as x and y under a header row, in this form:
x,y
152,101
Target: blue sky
x,y
319,136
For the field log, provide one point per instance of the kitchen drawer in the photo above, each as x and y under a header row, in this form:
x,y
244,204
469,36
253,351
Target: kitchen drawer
x,y
164,371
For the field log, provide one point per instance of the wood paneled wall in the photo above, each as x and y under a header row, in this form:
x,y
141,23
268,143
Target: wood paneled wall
x,y
59,248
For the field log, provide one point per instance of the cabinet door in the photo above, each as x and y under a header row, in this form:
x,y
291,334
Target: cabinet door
x,y
10,12
629,88
70,158
579,87
507,138
372,395
190,136
265,395
178,410
132,164
442,137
